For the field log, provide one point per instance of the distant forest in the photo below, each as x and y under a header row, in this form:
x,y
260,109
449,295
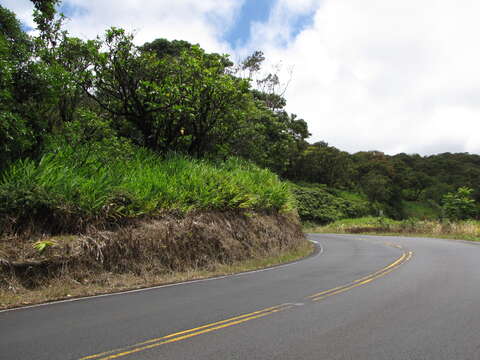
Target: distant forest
x,y
398,186
109,95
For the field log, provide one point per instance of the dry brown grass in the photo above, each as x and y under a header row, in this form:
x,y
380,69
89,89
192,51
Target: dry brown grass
x,y
150,252
66,287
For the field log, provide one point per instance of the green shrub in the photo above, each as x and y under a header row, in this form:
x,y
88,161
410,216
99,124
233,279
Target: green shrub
x,y
317,203
460,205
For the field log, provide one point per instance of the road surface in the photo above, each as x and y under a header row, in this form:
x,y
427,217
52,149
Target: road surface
x,y
359,297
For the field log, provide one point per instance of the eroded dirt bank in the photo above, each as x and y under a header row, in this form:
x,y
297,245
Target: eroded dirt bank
x,y
146,252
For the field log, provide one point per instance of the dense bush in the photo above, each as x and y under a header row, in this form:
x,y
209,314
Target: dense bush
x,y
319,204
460,205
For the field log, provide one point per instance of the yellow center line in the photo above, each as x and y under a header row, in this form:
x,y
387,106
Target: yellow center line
x,y
180,338
193,332
393,264
405,257
361,279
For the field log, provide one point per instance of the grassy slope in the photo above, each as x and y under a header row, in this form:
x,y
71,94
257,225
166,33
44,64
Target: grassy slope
x,y
74,187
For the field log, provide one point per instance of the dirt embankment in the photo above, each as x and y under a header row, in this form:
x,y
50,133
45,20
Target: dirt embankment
x,y
146,248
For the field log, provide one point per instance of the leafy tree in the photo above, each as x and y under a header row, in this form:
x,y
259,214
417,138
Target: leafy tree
x,y
37,85
48,21
179,102
15,130
271,140
377,187
459,205
415,184
324,164
164,47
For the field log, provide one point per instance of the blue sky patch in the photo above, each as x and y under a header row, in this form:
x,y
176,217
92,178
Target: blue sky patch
x,y
251,11
25,27
259,11
71,11
301,22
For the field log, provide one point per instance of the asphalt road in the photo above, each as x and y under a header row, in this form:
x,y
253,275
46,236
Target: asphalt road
x,y
358,298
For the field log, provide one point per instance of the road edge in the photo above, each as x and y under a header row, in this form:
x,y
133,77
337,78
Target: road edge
x,y
317,250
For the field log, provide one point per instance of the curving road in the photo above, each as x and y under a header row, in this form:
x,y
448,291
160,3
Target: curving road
x,y
358,297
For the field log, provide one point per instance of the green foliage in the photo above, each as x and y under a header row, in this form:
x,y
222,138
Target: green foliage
x,y
77,111
37,90
460,205
321,163
165,48
15,133
422,210
14,137
184,102
318,204
399,186
467,229
93,135
271,140
62,188
43,245
45,16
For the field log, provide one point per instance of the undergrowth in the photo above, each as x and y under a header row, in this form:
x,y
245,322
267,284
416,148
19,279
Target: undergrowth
x,y
422,210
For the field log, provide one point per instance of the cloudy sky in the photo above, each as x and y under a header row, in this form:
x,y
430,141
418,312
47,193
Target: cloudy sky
x,y
388,75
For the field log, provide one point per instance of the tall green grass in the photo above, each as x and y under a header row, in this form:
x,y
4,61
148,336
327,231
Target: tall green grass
x,y
78,184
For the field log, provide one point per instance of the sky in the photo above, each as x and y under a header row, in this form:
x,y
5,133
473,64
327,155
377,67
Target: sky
x,y
387,75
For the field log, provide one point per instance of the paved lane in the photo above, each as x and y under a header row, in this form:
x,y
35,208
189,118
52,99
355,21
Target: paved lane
x,y
360,298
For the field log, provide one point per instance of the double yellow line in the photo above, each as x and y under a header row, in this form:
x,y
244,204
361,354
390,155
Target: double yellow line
x,y
219,325
186,334
364,280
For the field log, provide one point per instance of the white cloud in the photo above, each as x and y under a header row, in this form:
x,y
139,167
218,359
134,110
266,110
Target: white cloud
x,y
388,75
279,29
196,21
22,8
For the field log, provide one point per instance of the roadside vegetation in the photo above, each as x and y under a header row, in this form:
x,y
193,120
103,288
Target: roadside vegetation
x,y
317,203
395,186
457,221
113,96
463,230
68,190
